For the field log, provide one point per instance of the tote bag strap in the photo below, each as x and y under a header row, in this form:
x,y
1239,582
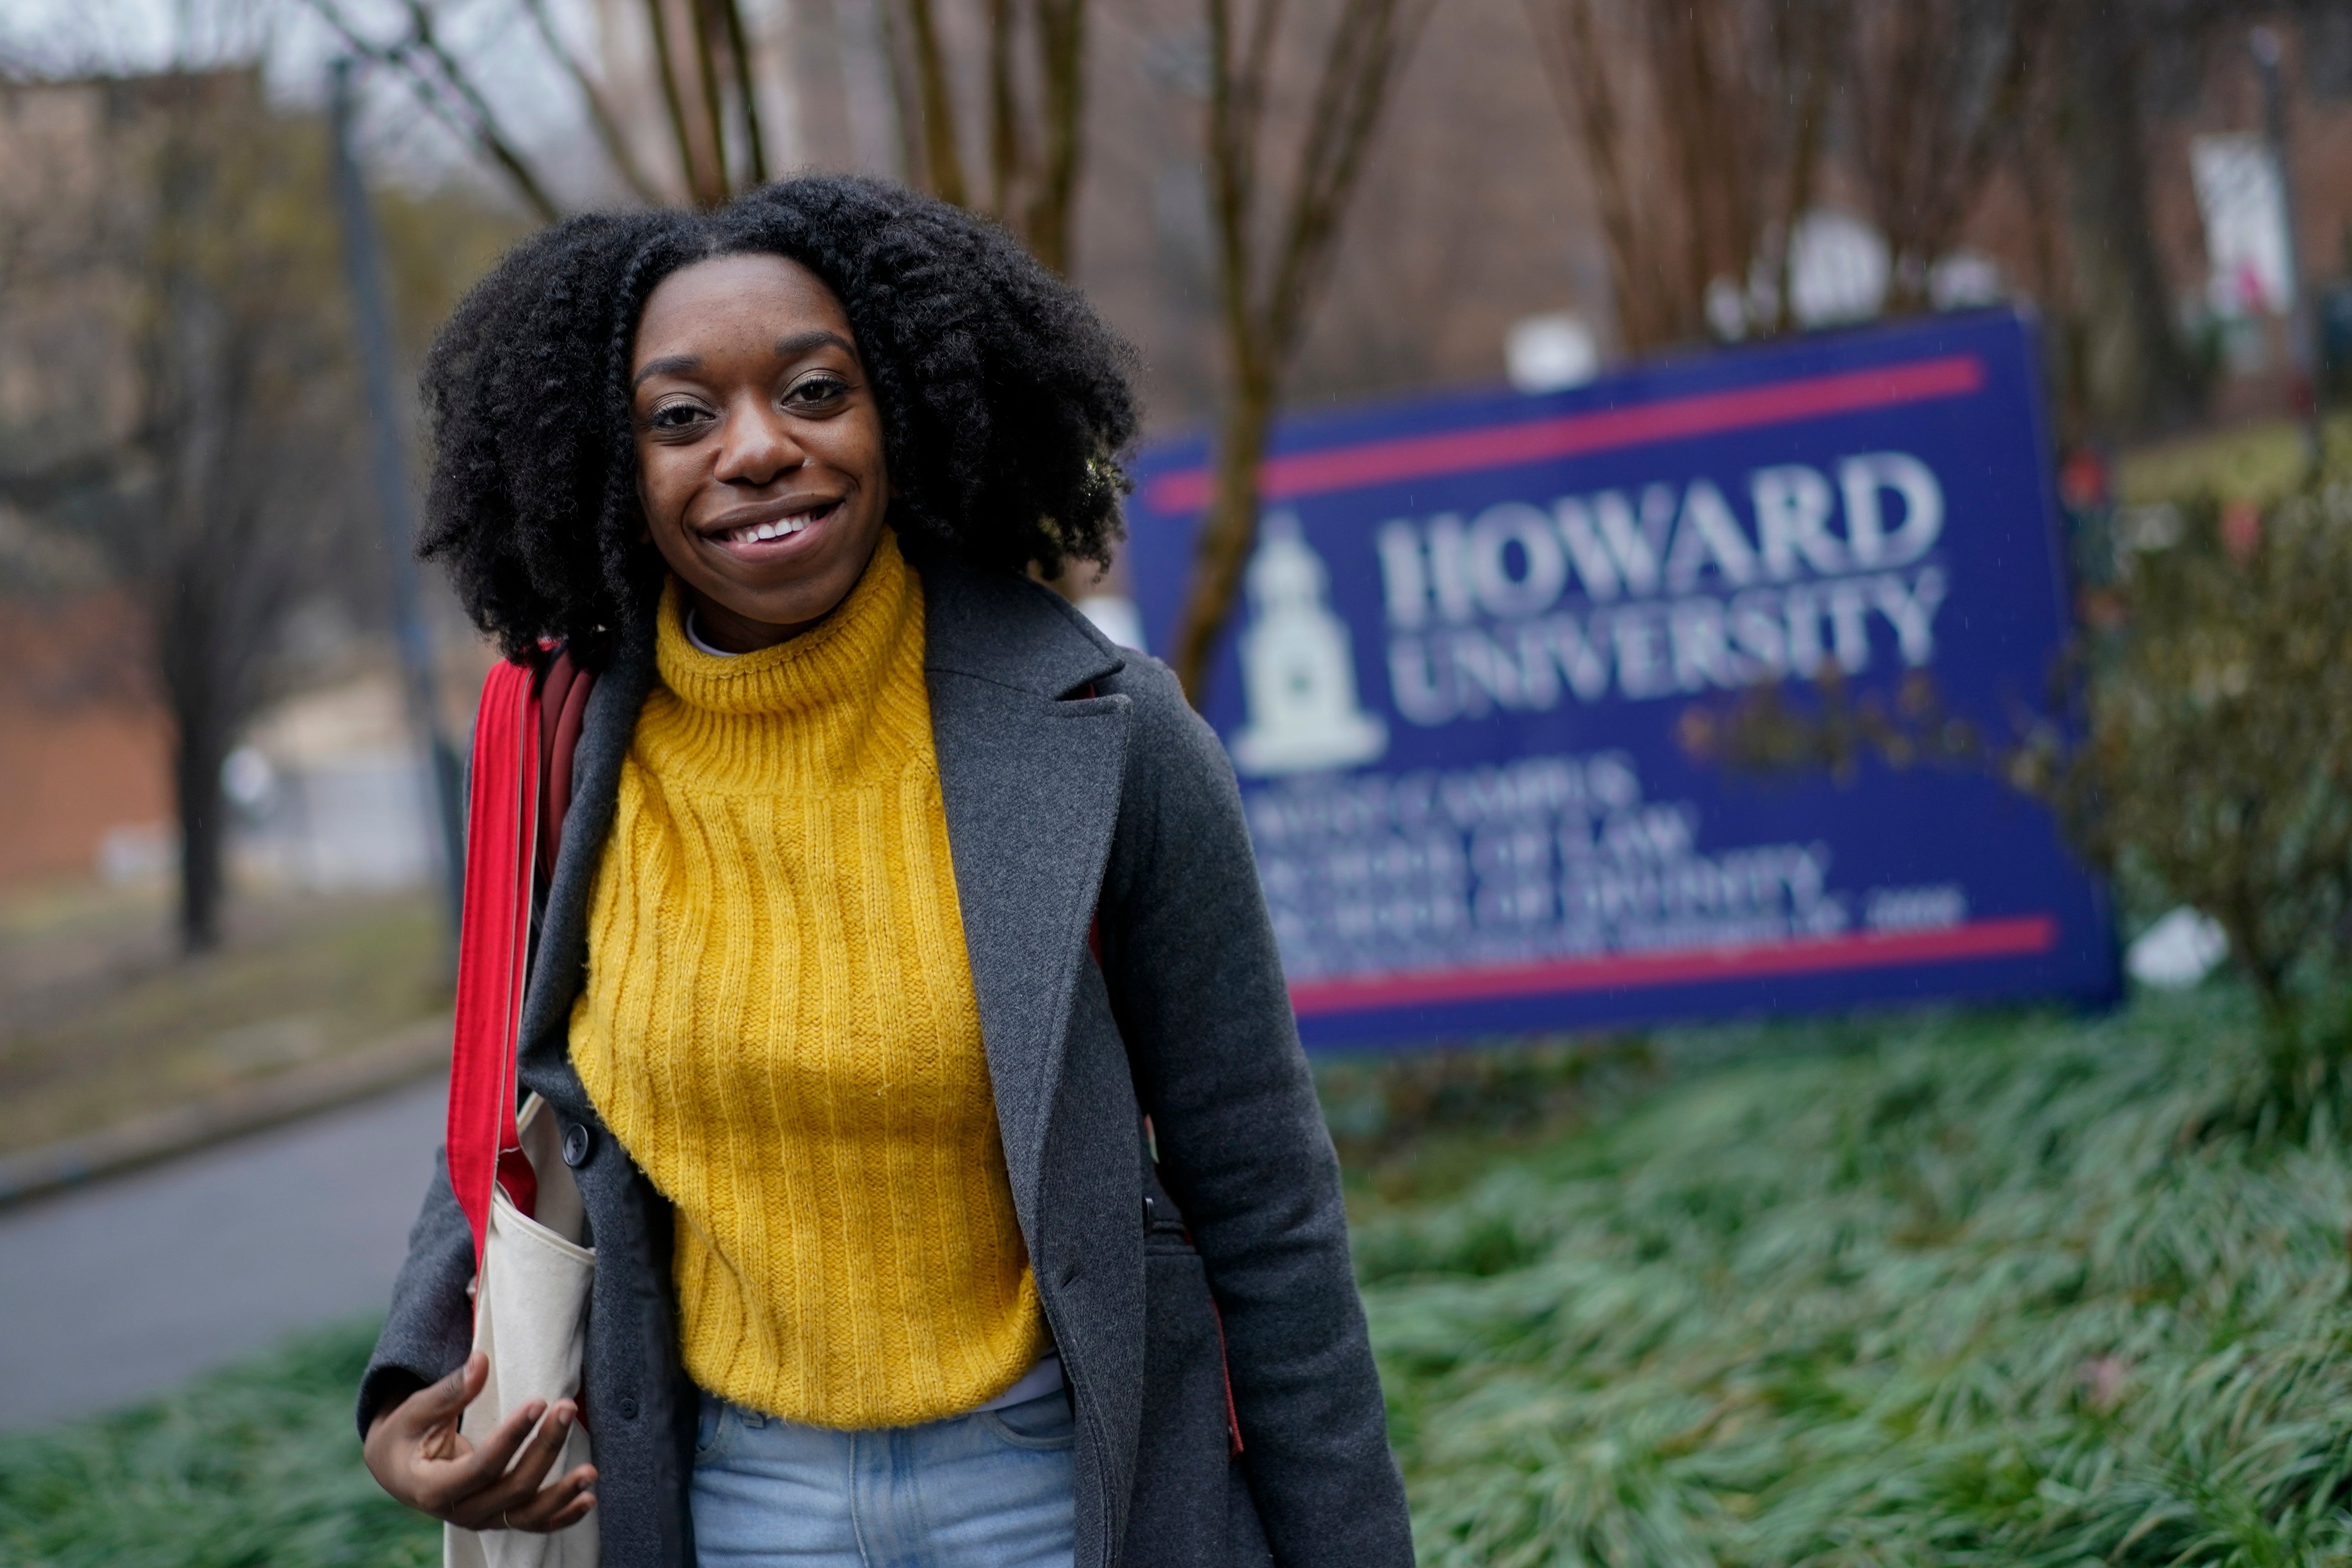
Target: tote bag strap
x,y
562,710
493,950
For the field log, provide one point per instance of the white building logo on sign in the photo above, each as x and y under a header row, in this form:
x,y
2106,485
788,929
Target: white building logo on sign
x,y
1299,667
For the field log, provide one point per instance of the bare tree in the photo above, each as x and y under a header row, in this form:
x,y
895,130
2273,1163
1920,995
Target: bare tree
x,y
1271,260
1706,122
1034,143
422,61
1938,91
1025,170
194,457
2134,370
702,60
226,504
702,70
1702,123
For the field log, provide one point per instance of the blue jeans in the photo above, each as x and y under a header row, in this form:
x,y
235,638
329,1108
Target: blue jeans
x,y
990,1489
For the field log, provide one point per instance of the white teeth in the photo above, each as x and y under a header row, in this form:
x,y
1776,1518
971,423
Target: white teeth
x,y
753,533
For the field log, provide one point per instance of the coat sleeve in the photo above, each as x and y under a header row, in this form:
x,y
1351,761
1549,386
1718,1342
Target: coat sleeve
x,y
1191,962
430,1329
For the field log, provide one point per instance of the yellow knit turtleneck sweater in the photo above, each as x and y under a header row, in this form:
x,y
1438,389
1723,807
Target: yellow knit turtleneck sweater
x,y
779,1025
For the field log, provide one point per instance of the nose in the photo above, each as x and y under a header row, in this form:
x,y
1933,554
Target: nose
x,y
757,446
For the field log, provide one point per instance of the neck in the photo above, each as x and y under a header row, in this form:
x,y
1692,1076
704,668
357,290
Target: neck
x,y
724,629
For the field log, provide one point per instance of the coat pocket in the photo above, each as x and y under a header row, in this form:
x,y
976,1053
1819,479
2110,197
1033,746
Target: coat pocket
x,y
1180,1513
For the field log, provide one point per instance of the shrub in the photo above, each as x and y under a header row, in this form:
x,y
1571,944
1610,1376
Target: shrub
x,y
2207,759
2219,747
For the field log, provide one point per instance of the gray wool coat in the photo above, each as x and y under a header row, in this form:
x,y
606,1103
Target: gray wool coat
x,y
1061,805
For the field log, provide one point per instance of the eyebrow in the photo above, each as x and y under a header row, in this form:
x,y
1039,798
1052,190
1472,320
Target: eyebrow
x,y
800,343
792,347
673,365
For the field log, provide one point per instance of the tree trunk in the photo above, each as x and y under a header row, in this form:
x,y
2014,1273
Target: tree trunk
x,y
1362,56
1571,52
1230,531
942,156
1062,92
747,96
2137,374
198,750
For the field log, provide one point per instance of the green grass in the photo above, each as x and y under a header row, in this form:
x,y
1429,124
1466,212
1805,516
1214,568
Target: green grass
x,y
99,1022
1952,1290
1983,1291
258,1466
2259,463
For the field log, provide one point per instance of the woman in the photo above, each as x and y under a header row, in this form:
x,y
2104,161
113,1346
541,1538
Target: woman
x,y
891,898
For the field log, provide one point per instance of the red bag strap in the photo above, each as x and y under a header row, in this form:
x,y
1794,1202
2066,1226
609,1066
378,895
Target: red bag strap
x,y
493,949
562,709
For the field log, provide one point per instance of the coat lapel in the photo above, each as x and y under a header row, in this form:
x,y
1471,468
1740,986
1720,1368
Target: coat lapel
x,y
1031,784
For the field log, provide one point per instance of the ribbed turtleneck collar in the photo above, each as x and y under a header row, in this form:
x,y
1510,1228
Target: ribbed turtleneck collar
x,y
841,655
822,695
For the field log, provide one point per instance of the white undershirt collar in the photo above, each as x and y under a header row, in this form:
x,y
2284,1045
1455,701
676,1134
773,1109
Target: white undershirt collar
x,y
695,638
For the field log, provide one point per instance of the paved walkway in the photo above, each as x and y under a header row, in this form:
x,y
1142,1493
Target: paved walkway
x,y
122,1289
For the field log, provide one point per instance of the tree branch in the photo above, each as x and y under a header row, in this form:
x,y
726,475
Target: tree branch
x,y
601,115
943,159
689,163
1363,57
713,117
1006,156
739,46
493,139
1062,87
476,126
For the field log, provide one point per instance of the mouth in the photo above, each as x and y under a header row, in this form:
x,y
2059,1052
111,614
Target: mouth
x,y
762,531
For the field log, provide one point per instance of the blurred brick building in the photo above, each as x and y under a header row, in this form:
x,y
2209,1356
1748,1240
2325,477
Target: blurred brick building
x,y
83,749
84,745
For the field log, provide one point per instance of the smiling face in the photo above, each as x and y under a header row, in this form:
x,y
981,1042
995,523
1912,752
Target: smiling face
x,y
758,447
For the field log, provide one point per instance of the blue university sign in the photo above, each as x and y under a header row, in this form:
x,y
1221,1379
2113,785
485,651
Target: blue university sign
x,y
1479,634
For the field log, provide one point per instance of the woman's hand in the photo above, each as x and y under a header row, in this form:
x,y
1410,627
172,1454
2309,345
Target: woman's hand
x,y
415,1453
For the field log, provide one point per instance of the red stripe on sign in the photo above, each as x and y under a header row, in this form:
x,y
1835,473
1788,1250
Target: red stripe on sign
x,y
1503,446
2022,935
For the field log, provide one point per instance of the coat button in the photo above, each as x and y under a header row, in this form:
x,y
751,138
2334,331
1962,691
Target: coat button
x,y
575,1146
628,1410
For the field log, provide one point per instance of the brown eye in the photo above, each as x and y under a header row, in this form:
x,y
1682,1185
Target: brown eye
x,y
818,391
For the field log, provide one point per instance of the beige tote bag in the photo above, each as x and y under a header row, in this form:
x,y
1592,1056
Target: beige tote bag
x,y
532,1275
531,1318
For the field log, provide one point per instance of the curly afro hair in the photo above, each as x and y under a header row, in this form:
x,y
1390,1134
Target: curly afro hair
x,y
1006,402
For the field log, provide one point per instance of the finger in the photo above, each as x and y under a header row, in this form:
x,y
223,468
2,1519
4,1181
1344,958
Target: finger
x,y
564,1503
478,1473
579,1507
519,1482
500,1502
437,1403
546,1445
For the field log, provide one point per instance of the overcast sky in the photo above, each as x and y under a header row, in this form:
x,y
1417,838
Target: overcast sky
x,y
80,38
